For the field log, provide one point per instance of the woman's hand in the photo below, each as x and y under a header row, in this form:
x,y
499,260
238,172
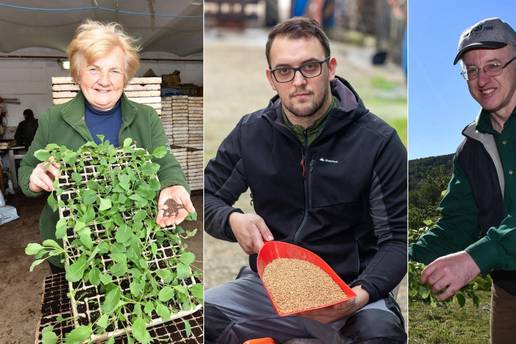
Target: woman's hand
x,y
43,175
174,204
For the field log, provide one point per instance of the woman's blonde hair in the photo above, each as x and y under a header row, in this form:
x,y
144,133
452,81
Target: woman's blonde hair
x,y
94,40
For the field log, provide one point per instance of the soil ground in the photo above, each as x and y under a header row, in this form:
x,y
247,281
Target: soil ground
x,y
235,84
21,290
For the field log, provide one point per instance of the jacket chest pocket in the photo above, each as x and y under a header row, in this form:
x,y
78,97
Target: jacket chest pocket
x,y
334,183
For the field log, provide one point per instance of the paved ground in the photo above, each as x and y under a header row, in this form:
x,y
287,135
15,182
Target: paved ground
x,y
235,84
20,290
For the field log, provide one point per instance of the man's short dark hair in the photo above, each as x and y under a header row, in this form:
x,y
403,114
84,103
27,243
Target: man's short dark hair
x,y
295,28
28,113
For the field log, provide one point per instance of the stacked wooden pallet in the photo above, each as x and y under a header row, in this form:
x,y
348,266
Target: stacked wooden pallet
x,y
182,157
182,118
141,90
179,120
195,168
195,122
166,117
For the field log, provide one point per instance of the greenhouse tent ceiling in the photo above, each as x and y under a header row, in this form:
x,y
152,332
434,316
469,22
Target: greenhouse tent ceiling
x,y
173,26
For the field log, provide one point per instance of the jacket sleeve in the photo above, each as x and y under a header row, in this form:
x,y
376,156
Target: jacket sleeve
x,y
457,227
170,172
224,182
388,213
497,249
29,161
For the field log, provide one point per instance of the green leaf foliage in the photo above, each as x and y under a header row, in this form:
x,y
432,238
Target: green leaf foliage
x,y
48,336
110,234
166,294
123,234
183,271
191,217
149,307
111,301
75,272
35,263
85,237
127,142
51,200
197,291
78,335
140,332
187,258
188,328
163,311
105,204
61,228
33,249
103,321
94,276
42,154
159,152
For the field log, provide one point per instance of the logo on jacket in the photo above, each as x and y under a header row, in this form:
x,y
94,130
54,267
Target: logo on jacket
x,y
328,160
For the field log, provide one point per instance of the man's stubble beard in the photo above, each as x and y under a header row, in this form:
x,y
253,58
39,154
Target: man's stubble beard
x,y
312,110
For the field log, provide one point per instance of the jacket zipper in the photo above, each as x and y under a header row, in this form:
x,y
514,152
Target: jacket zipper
x,y
306,185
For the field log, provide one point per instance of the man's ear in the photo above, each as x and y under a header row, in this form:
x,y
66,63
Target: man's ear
x,y
268,73
332,68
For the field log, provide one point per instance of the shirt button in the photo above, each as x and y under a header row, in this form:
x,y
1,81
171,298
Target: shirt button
x,y
504,142
511,172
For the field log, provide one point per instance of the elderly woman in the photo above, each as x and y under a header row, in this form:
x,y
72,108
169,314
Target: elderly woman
x,y
103,59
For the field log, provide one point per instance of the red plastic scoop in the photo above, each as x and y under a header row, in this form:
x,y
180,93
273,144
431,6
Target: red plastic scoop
x,y
277,249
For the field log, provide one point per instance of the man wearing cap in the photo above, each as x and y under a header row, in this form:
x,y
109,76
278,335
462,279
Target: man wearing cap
x,y
476,233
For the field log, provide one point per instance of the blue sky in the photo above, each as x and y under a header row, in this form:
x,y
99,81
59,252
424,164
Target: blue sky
x,y
440,105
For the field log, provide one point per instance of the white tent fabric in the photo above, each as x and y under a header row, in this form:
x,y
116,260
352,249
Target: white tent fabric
x,y
173,26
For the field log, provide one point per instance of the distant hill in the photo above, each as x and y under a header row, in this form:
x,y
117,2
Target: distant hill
x,y
428,179
419,169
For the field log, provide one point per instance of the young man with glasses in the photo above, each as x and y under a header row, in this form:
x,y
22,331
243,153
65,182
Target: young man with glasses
x,y
325,174
477,229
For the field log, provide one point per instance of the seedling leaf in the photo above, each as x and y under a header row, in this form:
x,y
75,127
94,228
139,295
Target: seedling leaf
x,y
48,336
76,270
78,335
33,249
166,294
139,331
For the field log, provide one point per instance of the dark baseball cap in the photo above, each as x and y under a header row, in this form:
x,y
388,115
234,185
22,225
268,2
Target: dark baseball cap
x,y
490,33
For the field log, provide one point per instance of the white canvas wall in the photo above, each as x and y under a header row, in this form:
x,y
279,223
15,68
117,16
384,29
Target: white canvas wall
x,y
29,79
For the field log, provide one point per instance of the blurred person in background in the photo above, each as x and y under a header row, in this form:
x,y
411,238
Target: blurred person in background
x,y
3,117
26,129
322,11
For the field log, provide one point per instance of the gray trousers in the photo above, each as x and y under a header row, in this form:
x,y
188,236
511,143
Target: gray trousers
x,y
241,310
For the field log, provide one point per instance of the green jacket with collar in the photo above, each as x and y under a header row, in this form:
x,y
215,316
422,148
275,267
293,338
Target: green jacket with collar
x,y
478,212
65,125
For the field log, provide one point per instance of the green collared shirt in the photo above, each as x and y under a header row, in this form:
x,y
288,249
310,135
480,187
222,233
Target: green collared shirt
x,y
506,145
311,133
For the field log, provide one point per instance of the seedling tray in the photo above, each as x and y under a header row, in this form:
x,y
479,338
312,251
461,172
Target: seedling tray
x,y
86,300
276,249
55,305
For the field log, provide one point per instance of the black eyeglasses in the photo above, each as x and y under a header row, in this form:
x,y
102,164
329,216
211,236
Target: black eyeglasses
x,y
491,69
308,70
